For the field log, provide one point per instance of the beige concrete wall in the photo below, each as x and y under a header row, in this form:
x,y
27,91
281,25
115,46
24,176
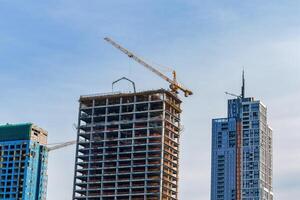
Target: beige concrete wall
x,y
38,134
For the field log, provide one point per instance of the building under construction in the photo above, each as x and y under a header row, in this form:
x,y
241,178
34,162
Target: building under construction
x,y
128,146
23,162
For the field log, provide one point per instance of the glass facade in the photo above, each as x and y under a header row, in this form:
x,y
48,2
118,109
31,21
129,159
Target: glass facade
x,y
23,163
242,153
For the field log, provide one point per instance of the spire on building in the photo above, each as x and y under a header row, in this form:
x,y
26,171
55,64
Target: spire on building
x,y
243,85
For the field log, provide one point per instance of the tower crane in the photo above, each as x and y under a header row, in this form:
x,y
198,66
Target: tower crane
x,y
234,95
61,145
174,85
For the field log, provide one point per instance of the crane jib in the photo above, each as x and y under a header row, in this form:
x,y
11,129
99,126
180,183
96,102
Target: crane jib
x,y
174,84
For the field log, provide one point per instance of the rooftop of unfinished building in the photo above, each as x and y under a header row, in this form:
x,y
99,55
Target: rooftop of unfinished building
x,y
21,131
119,94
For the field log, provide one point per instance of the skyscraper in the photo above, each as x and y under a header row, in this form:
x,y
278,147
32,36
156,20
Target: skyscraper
x,y
242,152
128,146
23,162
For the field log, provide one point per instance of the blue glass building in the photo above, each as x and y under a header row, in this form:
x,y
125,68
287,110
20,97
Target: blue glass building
x,y
242,152
23,162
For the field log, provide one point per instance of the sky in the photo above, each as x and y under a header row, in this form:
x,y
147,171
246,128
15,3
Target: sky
x,y
51,52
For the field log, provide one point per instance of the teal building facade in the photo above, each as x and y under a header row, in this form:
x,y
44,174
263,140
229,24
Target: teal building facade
x,y
23,162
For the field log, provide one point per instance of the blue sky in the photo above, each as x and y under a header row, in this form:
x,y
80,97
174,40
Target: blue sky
x,y
52,52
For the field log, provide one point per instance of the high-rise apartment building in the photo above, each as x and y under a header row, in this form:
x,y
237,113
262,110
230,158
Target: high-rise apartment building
x,y
242,152
128,146
23,162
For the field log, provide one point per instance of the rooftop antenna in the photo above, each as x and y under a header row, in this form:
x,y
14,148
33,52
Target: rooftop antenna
x,y
243,85
242,95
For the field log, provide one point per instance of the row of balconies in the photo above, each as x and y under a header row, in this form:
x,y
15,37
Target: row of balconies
x,y
122,197
172,128
108,172
171,150
172,160
116,128
81,166
105,127
112,185
170,186
124,109
172,136
112,178
120,185
171,143
171,165
171,171
138,123
130,175
134,116
135,147
102,132
169,178
169,194
98,165
88,152
102,137
150,167
115,140
119,104
113,193
122,100
93,180
121,156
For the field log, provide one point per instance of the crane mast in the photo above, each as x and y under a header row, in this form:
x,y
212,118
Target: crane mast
x,y
174,85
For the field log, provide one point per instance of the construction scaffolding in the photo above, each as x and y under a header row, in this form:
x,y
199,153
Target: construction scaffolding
x,y
128,146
